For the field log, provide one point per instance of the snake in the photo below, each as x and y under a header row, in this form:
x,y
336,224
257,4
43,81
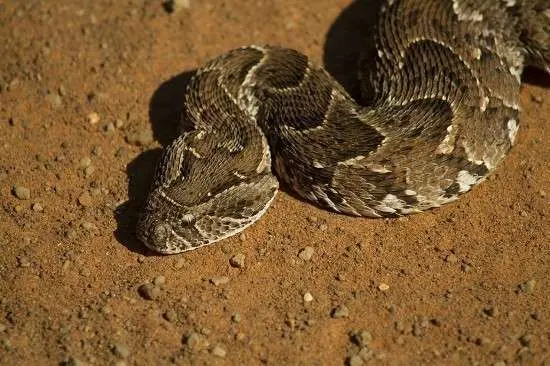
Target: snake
x,y
438,112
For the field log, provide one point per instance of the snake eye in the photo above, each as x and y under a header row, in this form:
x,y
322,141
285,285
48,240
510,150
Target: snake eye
x,y
160,233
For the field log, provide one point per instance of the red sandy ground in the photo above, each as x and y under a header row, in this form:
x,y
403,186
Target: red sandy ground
x,y
468,283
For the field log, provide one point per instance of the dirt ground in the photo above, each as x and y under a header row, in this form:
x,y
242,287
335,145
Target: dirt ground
x,y
89,93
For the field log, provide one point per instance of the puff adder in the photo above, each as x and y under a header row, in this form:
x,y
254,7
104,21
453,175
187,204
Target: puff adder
x,y
440,112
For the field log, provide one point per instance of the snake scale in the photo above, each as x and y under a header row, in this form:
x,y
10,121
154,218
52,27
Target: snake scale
x,y
440,112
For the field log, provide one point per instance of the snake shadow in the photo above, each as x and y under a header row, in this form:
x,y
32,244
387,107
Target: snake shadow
x,y
167,117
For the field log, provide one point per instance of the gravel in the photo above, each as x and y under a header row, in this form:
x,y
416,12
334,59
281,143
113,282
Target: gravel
x,y
196,342
54,100
526,340
536,98
23,193
37,207
173,6
180,263
97,150
221,280
528,286
306,253
361,338
85,199
355,360
85,162
89,226
159,281
451,258
89,171
121,350
23,262
93,118
219,351
72,361
491,311
236,318
341,311
149,291
237,260
170,315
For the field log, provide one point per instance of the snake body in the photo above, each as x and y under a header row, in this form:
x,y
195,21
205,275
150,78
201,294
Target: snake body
x,y
440,112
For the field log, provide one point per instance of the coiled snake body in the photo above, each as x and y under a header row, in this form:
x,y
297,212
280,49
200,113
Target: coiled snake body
x,y
441,111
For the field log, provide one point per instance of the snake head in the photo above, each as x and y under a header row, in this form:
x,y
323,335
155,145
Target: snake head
x,y
163,229
199,197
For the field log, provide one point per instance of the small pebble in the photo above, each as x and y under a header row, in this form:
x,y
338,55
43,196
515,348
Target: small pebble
x,y
341,311
221,280
149,291
237,261
93,118
306,253
71,234
88,226
23,262
72,361
89,171
109,128
85,162
383,287
361,338
170,315
37,207
196,342
451,258
54,99
528,286
308,297
180,263
526,340
482,341
173,6
159,281
85,199
536,98
355,360
219,351
491,311
97,150
23,193
121,350
236,318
